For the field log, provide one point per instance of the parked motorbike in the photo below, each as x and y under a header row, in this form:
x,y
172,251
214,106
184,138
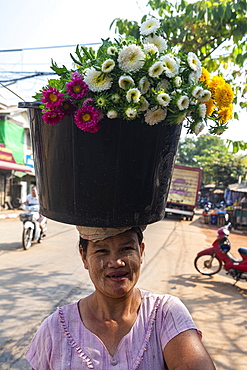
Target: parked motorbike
x,y
31,226
211,260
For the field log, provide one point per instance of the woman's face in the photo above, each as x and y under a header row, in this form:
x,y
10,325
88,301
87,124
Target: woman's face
x,y
114,263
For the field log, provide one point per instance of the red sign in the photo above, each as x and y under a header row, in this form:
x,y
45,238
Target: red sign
x,y
6,155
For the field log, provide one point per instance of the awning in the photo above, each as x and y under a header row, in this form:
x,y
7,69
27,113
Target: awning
x,y
240,188
16,167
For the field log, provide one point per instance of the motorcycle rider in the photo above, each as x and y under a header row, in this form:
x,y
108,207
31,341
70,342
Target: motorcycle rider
x,y
33,199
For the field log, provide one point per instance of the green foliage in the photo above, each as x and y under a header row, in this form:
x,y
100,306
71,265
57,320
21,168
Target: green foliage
x,y
220,166
236,146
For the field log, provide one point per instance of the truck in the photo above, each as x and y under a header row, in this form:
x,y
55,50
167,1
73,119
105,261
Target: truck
x,y
183,194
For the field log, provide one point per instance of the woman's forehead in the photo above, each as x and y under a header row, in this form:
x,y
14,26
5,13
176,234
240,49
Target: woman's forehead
x,y
128,237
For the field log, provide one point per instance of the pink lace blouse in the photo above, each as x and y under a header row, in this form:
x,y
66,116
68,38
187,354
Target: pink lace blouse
x,y
64,343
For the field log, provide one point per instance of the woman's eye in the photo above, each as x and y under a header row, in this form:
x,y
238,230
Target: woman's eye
x,y
128,249
101,251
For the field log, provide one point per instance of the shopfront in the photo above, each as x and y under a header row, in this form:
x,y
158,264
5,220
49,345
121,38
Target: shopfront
x,y
12,176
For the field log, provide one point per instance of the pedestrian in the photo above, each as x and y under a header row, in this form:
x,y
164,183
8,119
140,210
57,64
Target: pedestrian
x,y
118,326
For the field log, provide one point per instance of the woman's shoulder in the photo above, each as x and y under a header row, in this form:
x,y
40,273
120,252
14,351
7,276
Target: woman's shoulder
x,y
66,311
148,296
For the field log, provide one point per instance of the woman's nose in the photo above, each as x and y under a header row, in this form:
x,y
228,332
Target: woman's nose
x,y
115,262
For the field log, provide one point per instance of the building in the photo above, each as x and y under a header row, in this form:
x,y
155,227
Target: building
x,y
16,162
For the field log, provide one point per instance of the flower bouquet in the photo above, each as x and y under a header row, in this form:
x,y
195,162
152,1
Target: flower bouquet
x,y
131,79
105,134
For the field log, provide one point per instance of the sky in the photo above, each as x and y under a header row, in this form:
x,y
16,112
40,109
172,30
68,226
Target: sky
x,y
32,24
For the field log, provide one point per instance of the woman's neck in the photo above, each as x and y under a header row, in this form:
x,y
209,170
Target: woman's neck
x,y
108,308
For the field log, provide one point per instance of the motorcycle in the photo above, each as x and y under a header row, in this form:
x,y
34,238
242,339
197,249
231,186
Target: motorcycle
x,y
211,260
31,226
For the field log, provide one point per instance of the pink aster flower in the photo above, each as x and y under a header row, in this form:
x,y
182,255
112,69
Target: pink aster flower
x,y
87,118
77,88
53,116
76,74
52,97
67,107
88,101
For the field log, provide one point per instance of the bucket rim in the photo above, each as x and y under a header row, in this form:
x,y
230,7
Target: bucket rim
x,y
24,104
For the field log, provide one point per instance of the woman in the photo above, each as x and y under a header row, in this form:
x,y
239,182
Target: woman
x,y
118,326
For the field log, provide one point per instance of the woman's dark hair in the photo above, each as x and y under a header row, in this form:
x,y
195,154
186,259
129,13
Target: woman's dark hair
x,y
83,243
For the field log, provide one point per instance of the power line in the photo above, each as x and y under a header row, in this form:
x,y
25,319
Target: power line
x,y
22,72
46,47
14,80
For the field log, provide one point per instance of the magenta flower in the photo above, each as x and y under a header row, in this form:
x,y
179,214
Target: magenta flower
x,y
53,116
88,101
52,97
77,88
87,118
67,107
76,74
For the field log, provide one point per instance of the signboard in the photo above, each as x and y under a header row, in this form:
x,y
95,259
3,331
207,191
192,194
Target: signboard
x,y
6,155
184,186
29,160
7,162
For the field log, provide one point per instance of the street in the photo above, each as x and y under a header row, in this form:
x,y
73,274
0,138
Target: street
x,y
50,274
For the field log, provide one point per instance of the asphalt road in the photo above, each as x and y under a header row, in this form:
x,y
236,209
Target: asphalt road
x,y
34,282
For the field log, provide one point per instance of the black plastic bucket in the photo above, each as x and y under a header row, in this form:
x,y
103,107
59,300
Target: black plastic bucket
x,y
117,177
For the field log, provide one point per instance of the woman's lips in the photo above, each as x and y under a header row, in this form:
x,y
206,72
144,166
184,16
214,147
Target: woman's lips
x,y
117,276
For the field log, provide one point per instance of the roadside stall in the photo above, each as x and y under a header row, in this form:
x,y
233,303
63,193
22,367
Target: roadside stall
x,y
238,210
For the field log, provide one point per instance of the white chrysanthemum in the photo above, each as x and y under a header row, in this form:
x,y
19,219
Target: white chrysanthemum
x,y
96,81
144,104
131,58
112,50
205,95
171,67
115,98
178,81
133,95
155,115
158,41
151,49
198,128
144,85
202,110
194,62
156,69
149,26
163,85
131,113
193,77
108,66
183,102
196,92
112,114
163,99
125,82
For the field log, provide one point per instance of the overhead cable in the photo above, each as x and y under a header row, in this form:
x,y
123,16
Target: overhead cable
x,y
47,47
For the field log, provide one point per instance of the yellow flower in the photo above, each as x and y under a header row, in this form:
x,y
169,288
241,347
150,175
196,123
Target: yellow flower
x,y
224,96
215,83
205,76
225,114
210,107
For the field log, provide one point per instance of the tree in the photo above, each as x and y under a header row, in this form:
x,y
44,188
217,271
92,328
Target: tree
x,y
209,152
216,30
